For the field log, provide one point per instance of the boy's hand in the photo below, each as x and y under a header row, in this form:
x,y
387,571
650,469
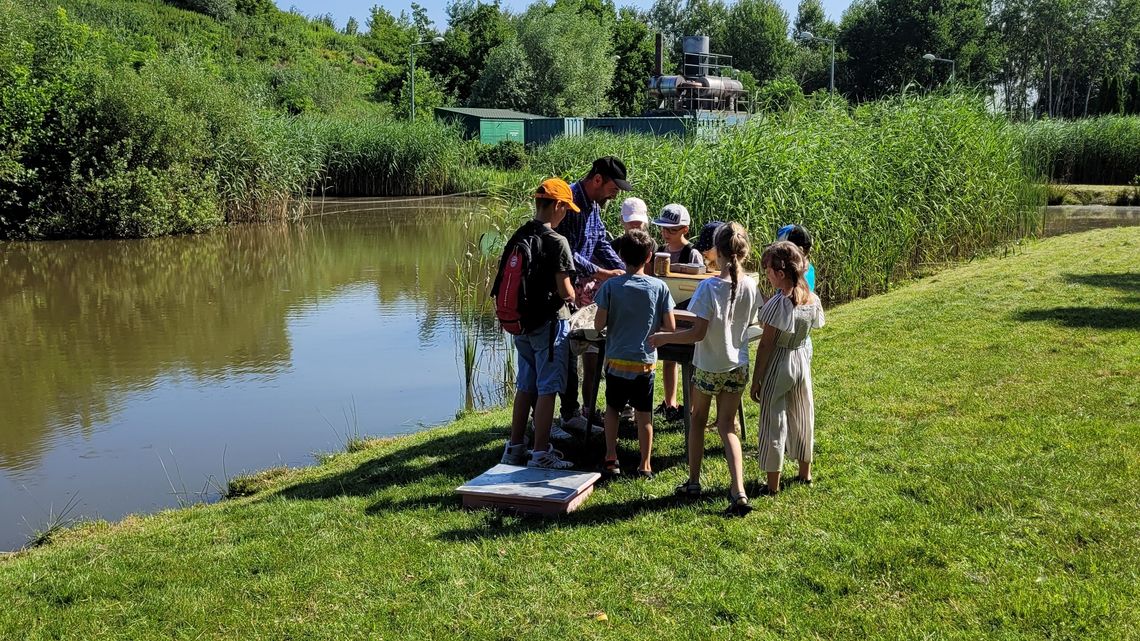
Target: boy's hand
x,y
658,339
603,275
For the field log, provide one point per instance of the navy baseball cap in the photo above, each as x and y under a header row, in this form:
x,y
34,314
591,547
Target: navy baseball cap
x,y
708,233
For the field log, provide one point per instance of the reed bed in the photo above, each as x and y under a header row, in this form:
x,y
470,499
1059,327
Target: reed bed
x,y
888,189
1094,151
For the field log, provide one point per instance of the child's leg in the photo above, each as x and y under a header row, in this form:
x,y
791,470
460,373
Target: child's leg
x,y
521,410
801,425
774,419
644,436
698,417
669,370
726,404
641,398
611,431
543,417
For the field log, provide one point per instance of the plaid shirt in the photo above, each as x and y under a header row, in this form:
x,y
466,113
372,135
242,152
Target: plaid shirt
x,y
587,237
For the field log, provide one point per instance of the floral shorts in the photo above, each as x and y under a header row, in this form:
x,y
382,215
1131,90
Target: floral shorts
x,y
713,383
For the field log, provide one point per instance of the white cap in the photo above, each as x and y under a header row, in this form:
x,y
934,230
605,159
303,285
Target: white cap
x,y
673,215
633,210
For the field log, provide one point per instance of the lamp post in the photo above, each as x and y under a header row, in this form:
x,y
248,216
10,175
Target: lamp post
x,y
412,66
929,57
807,36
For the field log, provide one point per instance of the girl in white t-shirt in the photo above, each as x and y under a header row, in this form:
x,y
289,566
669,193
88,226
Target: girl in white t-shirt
x,y
724,307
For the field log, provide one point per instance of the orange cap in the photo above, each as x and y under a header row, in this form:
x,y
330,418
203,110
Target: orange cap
x,y
556,189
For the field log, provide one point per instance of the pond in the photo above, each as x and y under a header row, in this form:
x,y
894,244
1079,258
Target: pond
x,y
137,374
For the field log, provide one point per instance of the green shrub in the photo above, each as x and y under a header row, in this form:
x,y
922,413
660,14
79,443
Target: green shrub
x,y
216,9
506,154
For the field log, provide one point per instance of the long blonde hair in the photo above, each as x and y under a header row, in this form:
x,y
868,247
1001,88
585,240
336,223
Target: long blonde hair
x,y
785,256
732,247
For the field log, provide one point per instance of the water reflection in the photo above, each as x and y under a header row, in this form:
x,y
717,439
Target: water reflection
x,y
242,339
1068,219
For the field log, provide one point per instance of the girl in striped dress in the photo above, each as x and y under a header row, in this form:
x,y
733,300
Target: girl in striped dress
x,y
781,382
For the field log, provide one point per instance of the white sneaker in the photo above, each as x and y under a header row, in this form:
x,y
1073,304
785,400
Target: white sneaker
x,y
559,434
514,454
551,459
626,413
578,424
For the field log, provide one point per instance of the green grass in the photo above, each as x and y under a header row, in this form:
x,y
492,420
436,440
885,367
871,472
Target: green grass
x,y
977,465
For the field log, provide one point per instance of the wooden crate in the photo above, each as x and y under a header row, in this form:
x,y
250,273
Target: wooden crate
x,y
529,490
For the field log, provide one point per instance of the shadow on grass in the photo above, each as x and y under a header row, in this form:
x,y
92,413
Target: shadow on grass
x,y
1084,317
440,460
1126,282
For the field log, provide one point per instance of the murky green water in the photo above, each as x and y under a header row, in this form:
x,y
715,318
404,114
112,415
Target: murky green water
x,y
132,372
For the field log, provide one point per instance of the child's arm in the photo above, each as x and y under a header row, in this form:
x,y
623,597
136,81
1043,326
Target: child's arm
x,y
694,334
763,355
600,319
565,289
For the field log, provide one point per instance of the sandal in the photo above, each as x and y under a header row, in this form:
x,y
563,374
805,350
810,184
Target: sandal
x,y
646,475
610,468
688,488
764,491
738,506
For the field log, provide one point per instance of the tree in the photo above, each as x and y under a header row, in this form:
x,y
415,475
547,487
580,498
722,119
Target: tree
x,y
507,81
474,29
758,40
810,62
694,18
388,37
886,39
351,27
634,48
570,55
429,95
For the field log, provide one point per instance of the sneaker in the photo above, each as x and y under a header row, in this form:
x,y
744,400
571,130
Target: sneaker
x,y
514,454
551,459
661,408
626,413
646,475
578,424
674,414
559,434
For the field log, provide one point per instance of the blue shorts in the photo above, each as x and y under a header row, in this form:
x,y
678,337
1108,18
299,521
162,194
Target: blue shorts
x,y
542,371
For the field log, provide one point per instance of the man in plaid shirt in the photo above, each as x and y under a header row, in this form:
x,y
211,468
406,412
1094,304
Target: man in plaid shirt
x,y
594,261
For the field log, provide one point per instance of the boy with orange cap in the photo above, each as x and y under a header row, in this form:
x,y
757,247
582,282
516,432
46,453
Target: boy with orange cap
x,y
532,291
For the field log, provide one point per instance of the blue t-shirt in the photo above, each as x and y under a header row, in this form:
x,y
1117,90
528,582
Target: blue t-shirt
x,y
810,277
635,305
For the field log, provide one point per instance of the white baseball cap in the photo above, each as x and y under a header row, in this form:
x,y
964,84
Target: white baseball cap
x,y
634,210
673,215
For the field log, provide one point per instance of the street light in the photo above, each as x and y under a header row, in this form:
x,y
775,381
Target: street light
x,y
807,36
412,66
929,57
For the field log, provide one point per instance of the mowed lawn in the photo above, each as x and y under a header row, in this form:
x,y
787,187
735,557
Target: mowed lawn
x,y
977,474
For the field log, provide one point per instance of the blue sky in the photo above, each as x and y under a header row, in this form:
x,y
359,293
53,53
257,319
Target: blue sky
x,y
342,9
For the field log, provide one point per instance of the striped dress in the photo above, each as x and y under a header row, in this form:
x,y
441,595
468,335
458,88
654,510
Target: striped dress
x,y
787,410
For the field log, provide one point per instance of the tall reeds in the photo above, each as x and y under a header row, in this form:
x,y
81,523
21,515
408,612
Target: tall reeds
x,y
886,188
1091,151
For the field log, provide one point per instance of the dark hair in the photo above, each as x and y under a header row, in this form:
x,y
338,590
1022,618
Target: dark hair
x,y
800,237
785,256
731,242
635,247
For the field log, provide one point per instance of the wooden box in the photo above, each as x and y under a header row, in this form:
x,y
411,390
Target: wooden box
x,y
529,490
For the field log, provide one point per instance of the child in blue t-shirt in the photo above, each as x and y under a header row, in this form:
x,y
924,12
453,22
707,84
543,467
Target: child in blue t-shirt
x,y
631,307
799,236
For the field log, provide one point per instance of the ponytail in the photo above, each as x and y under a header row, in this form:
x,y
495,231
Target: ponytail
x,y
732,247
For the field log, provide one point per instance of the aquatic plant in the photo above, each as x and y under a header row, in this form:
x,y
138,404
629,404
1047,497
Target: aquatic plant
x,y
1095,151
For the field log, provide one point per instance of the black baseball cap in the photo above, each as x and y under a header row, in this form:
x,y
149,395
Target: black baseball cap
x,y
708,232
614,169
796,234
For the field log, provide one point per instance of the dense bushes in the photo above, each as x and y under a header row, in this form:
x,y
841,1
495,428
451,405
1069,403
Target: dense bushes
x,y
887,187
1096,151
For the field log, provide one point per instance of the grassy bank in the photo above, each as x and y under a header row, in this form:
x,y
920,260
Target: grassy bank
x,y
1113,195
976,474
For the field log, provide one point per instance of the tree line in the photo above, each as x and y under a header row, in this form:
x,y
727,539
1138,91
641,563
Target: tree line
x,y
1032,58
